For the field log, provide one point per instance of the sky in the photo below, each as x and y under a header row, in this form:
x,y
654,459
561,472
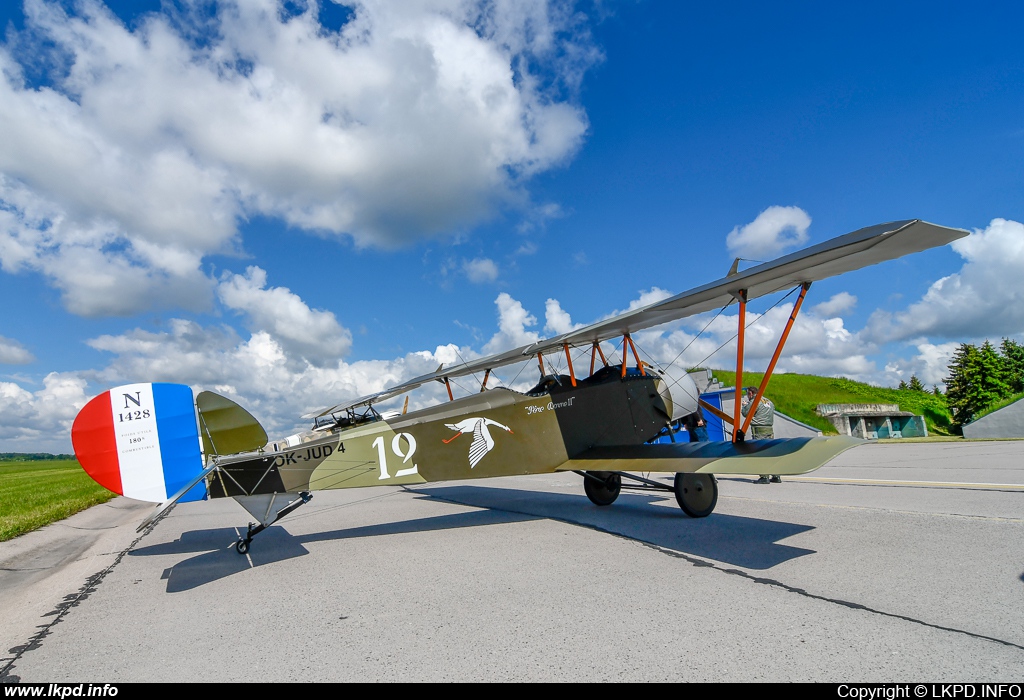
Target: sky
x,y
297,203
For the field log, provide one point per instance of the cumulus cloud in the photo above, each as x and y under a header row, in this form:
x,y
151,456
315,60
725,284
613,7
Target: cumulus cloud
x,y
40,420
984,298
513,320
144,146
527,248
556,319
930,364
774,230
837,304
315,336
480,270
14,353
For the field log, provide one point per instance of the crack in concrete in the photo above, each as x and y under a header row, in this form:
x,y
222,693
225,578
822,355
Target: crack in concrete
x,y
814,596
703,563
70,601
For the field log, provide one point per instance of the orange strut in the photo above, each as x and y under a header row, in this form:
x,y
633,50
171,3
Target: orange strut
x,y
625,339
778,353
639,364
483,386
540,360
739,361
449,388
572,375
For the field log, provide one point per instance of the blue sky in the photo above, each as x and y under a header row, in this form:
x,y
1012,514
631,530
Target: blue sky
x,y
296,203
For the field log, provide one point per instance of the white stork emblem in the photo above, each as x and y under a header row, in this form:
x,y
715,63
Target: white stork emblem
x,y
482,440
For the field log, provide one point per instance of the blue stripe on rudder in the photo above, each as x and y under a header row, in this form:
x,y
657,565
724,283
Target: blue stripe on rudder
x,y
179,439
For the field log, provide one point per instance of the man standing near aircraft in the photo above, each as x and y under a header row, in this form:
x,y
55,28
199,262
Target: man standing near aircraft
x,y
761,425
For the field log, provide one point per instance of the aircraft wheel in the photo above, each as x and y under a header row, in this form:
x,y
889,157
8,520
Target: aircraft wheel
x,y
242,546
697,494
605,492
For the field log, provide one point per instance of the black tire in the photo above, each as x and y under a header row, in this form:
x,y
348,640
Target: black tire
x,y
696,494
242,546
605,491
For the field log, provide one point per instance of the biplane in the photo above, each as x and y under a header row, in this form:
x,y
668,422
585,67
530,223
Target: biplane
x,y
160,443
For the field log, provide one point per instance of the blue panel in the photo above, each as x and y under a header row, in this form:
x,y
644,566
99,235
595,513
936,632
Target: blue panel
x,y
716,431
179,439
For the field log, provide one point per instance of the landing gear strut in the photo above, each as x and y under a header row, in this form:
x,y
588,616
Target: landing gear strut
x,y
242,545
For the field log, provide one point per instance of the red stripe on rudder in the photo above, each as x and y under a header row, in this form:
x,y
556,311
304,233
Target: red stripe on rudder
x,y
92,435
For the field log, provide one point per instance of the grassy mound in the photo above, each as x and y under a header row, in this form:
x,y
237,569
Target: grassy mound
x,y
999,404
37,492
797,395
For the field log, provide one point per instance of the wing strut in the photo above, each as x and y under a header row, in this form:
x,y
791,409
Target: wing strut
x,y
626,339
595,351
714,411
572,374
775,358
737,435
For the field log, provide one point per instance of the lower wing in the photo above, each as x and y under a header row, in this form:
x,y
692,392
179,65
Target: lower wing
x,y
782,456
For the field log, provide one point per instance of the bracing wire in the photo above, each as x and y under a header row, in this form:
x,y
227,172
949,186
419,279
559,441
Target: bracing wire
x,y
452,380
734,336
696,336
466,363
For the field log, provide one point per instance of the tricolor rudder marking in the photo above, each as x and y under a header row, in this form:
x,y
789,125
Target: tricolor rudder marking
x,y
141,441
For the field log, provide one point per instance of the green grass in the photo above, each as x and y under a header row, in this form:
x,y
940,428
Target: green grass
x,y
999,404
797,395
37,493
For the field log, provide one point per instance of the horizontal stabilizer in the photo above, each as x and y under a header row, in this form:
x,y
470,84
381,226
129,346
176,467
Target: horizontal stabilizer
x,y
227,427
782,456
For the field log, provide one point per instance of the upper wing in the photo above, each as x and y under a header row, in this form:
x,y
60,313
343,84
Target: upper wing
x,y
862,248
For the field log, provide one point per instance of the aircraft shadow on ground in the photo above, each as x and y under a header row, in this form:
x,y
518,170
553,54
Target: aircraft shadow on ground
x,y
216,556
751,543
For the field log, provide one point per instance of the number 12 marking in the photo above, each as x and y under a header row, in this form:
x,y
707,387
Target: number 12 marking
x,y
396,447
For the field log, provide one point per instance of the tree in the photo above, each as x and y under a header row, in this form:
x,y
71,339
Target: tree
x,y
994,378
902,386
915,383
977,379
1013,362
960,387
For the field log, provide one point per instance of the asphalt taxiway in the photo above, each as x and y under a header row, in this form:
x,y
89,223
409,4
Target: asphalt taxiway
x,y
895,562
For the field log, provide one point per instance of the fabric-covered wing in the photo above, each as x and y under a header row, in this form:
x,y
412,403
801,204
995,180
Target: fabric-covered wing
x,y
862,248
853,251
782,456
